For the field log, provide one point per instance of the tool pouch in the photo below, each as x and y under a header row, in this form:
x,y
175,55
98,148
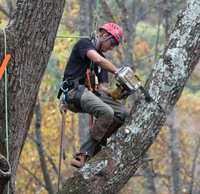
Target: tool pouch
x,y
73,98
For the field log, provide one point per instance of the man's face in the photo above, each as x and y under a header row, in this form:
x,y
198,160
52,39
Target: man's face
x,y
108,43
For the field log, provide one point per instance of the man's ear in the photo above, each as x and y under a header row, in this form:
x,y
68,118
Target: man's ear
x,y
105,35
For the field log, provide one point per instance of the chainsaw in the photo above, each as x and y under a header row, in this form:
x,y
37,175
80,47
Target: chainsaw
x,y
127,83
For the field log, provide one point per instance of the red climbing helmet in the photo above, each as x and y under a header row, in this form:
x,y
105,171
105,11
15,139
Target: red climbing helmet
x,y
113,29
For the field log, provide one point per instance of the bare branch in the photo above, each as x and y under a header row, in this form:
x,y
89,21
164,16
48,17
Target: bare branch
x,y
33,175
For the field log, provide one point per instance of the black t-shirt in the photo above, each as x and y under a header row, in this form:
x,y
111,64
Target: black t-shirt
x,y
78,62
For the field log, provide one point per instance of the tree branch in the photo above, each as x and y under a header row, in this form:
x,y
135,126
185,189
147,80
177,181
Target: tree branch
x,y
34,176
40,149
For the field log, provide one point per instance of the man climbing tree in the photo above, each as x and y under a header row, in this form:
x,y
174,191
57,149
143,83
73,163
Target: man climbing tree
x,y
84,90
111,168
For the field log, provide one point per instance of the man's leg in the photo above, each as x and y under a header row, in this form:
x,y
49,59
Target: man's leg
x,y
120,114
104,115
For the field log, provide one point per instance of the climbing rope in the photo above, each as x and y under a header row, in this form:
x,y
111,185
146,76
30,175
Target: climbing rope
x,y
61,149
66,37
96,17
6,103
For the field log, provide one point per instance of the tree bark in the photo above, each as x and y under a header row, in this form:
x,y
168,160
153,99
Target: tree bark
x,y
30,38
5,173
110,169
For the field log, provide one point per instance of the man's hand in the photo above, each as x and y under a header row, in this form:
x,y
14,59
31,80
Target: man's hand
x,y
104,88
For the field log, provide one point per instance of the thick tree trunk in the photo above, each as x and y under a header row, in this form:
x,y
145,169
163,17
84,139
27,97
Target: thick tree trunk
x,y
31,34
113,166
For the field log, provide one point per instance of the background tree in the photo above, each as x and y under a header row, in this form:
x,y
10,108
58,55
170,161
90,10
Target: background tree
x,y
30,48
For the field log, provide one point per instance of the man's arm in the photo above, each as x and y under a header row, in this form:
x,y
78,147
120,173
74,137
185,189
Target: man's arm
x,y
101,61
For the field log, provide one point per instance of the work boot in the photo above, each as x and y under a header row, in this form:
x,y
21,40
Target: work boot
x,y
79,160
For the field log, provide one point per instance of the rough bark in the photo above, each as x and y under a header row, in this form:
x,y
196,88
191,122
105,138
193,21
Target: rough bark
x,y
31,34
5,173
107,172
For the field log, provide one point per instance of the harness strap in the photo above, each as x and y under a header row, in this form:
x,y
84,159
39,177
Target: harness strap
x,y
88,74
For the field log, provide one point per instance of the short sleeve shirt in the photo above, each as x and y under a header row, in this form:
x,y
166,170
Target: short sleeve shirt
x,y
78,62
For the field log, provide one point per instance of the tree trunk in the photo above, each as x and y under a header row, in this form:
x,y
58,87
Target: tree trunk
x,y
30,38
110,169
194,166
84,24
128,23
175,155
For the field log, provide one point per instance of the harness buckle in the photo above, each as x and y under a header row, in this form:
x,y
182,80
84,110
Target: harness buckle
x,y
64,86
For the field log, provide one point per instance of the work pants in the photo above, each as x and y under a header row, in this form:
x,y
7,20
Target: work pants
x,y
109,116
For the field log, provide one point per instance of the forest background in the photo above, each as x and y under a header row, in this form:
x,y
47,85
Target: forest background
x,y
172,163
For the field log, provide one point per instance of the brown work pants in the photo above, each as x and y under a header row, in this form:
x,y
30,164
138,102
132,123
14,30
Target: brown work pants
x,y
109,116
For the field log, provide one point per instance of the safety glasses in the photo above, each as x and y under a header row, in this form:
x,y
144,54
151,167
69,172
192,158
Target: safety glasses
x,y
113,42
